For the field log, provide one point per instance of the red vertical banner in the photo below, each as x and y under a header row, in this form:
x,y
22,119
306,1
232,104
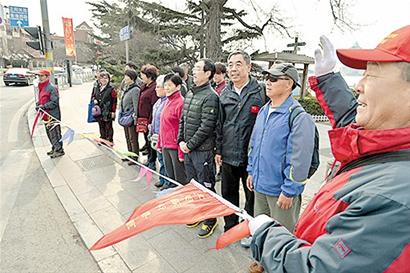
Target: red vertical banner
x,y
69,37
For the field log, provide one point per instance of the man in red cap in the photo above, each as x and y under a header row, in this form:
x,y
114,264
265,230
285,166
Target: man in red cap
x,y
359,221
49,102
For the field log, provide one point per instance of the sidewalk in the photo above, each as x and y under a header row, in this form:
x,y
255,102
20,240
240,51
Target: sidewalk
x,y
98,192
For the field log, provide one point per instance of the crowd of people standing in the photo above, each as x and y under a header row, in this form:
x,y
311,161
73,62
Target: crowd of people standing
x,y
197,126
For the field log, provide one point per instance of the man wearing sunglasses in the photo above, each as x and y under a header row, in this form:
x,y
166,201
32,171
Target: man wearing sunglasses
x,y
280,151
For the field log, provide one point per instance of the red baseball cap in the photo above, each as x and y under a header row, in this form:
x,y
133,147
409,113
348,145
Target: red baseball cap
x,y
393,48
43,72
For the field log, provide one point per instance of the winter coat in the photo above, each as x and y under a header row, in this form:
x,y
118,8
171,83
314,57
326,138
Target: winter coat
x,y
359,220
156,115
49,98
147,99
106,99
129,99
280,156
200,114
169,125
238,115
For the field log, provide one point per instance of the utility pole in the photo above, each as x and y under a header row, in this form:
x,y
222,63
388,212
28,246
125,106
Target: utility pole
x,y
47,41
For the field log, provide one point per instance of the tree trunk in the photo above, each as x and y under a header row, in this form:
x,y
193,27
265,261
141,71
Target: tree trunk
x,y
213,31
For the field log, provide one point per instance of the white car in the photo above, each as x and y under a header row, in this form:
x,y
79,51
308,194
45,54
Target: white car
x,y
18,76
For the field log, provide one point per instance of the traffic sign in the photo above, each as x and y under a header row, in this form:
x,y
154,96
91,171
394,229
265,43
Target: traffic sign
x,y
125,33
18,16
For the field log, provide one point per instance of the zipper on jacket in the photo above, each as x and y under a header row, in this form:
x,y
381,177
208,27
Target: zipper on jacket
x,y
260,148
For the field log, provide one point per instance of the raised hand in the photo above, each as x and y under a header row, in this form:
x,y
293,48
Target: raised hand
x,y
325,57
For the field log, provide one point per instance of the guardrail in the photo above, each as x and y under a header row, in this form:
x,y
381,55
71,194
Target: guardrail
x,y
320,118
77,78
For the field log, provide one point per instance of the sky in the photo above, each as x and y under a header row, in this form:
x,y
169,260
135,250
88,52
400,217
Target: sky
x,y
309,18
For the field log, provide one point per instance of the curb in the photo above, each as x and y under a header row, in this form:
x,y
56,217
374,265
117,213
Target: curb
x,y
108,259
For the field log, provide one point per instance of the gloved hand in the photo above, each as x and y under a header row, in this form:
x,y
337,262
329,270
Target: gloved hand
x,y
325,57
257,222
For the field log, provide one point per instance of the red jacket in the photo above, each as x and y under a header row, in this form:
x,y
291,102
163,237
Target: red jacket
x,y
359,220
147,99
220,87
169,123
48,97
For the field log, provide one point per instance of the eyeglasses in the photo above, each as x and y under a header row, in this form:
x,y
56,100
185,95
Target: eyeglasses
x,y
272,78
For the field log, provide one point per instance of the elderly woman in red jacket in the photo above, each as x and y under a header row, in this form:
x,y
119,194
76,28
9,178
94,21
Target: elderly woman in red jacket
x,y
148,97
168,129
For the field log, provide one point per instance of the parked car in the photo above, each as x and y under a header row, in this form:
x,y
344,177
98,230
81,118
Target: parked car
x,y
18,76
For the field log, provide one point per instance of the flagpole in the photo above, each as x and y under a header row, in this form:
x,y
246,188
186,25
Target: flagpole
x,y
238,211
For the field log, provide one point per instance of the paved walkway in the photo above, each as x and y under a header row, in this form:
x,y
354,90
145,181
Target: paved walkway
x,y
99,192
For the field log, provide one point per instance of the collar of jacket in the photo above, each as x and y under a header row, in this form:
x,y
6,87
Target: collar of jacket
x,y
352,142
200,88
174,95
286,106
43,84
132,86
252,85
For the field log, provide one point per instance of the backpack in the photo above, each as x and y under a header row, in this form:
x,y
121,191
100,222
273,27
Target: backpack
x,y
314,165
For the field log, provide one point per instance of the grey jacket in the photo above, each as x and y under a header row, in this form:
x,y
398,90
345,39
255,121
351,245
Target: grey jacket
x,y
129,99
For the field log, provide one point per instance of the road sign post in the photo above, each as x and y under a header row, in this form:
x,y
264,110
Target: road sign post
x,y
125,35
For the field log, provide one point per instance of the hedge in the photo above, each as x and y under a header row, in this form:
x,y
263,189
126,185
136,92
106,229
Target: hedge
x,y
311,105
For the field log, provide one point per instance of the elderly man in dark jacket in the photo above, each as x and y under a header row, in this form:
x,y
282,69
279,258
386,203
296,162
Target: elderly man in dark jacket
x,y
196,136
49,102
240,104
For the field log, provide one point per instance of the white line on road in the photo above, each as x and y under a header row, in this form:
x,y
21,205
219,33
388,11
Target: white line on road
x,y
15,122
12,171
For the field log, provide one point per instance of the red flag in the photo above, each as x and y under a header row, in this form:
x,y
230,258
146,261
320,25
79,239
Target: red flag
x,y
233,235
147,172
189,204
38,116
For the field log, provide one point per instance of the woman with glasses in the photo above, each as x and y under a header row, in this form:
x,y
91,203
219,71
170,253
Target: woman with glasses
x,y
104,97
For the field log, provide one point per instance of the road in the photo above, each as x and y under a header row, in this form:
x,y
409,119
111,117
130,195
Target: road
x,y
35,231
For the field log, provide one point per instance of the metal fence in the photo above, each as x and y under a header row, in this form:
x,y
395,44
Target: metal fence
x,y
77,78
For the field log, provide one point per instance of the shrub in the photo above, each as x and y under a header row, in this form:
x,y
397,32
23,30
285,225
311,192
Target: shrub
x,y
310,104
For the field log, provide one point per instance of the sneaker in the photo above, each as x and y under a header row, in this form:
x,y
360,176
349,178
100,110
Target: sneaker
x,y
131,163
57,154
246,242
193,224
124,159
207,229
159,184
50,152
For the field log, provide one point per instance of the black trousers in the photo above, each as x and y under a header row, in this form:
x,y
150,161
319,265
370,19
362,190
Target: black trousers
x,y
152,154
173,167
231,175
132,140
200,165
106,130
54,135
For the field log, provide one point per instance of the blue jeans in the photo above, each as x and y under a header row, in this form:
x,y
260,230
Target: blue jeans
x,y
162,180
